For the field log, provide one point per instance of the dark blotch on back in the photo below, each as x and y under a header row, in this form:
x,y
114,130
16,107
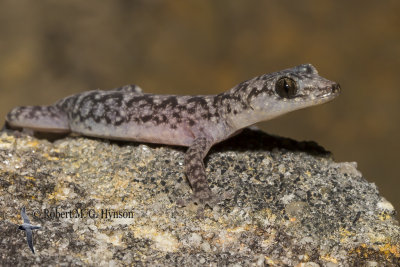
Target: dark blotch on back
x,y
228,108
170,101
34,112
191,122
146,118
206,116
198,100
148,100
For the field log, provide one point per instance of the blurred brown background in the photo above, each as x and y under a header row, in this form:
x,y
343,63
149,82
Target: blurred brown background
x,y
50,49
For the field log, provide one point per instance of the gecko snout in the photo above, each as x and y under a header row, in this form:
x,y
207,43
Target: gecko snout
x,y
336,88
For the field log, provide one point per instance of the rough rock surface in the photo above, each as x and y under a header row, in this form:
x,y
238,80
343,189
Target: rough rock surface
x,y
292,205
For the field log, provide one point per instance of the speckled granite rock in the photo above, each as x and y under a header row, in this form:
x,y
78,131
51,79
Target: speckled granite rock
x,y
292,206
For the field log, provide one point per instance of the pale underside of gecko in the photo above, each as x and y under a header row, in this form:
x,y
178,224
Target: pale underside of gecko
x,y
197,122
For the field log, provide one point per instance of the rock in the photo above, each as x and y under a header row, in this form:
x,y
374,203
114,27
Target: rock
x,y
103,202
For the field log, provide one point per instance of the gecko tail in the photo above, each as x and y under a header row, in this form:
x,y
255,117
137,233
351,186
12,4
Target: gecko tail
x,y
39,118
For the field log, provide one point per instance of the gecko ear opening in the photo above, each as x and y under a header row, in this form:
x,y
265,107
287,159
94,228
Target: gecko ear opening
x,y
286,87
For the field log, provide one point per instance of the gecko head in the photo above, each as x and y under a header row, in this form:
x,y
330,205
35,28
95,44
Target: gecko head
x,y
289,90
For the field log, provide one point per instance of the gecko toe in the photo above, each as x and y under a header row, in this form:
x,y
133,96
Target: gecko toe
x,y
208,198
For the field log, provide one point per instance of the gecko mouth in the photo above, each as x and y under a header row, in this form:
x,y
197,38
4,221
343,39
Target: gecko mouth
x,y
333,92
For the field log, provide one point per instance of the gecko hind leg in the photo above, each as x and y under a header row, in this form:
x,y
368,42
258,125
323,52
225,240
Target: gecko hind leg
x,y
49,119
196,174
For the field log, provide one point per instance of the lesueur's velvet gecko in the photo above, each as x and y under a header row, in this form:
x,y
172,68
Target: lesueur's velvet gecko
x,y
197,122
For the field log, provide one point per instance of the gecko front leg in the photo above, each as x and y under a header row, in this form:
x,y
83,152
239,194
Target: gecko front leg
x,y
196,173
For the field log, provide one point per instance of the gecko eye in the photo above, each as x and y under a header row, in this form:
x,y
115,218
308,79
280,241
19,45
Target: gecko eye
x,y
286,87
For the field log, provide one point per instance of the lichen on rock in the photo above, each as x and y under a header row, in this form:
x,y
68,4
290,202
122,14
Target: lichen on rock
x,y
103,202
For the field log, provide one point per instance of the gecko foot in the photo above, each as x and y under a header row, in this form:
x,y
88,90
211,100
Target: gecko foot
x,y
205,198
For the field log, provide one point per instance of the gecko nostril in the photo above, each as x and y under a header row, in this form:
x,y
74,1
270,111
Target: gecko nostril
x,y
336,88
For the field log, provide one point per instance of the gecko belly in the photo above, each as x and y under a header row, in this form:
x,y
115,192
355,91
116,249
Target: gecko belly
x,y
161,134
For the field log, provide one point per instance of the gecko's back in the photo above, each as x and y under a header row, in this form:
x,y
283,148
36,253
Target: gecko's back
x,y
127,114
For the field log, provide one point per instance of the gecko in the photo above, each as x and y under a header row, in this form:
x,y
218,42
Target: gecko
x,y
197,122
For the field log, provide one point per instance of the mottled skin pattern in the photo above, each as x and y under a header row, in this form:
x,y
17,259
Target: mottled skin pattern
x,y
197,122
